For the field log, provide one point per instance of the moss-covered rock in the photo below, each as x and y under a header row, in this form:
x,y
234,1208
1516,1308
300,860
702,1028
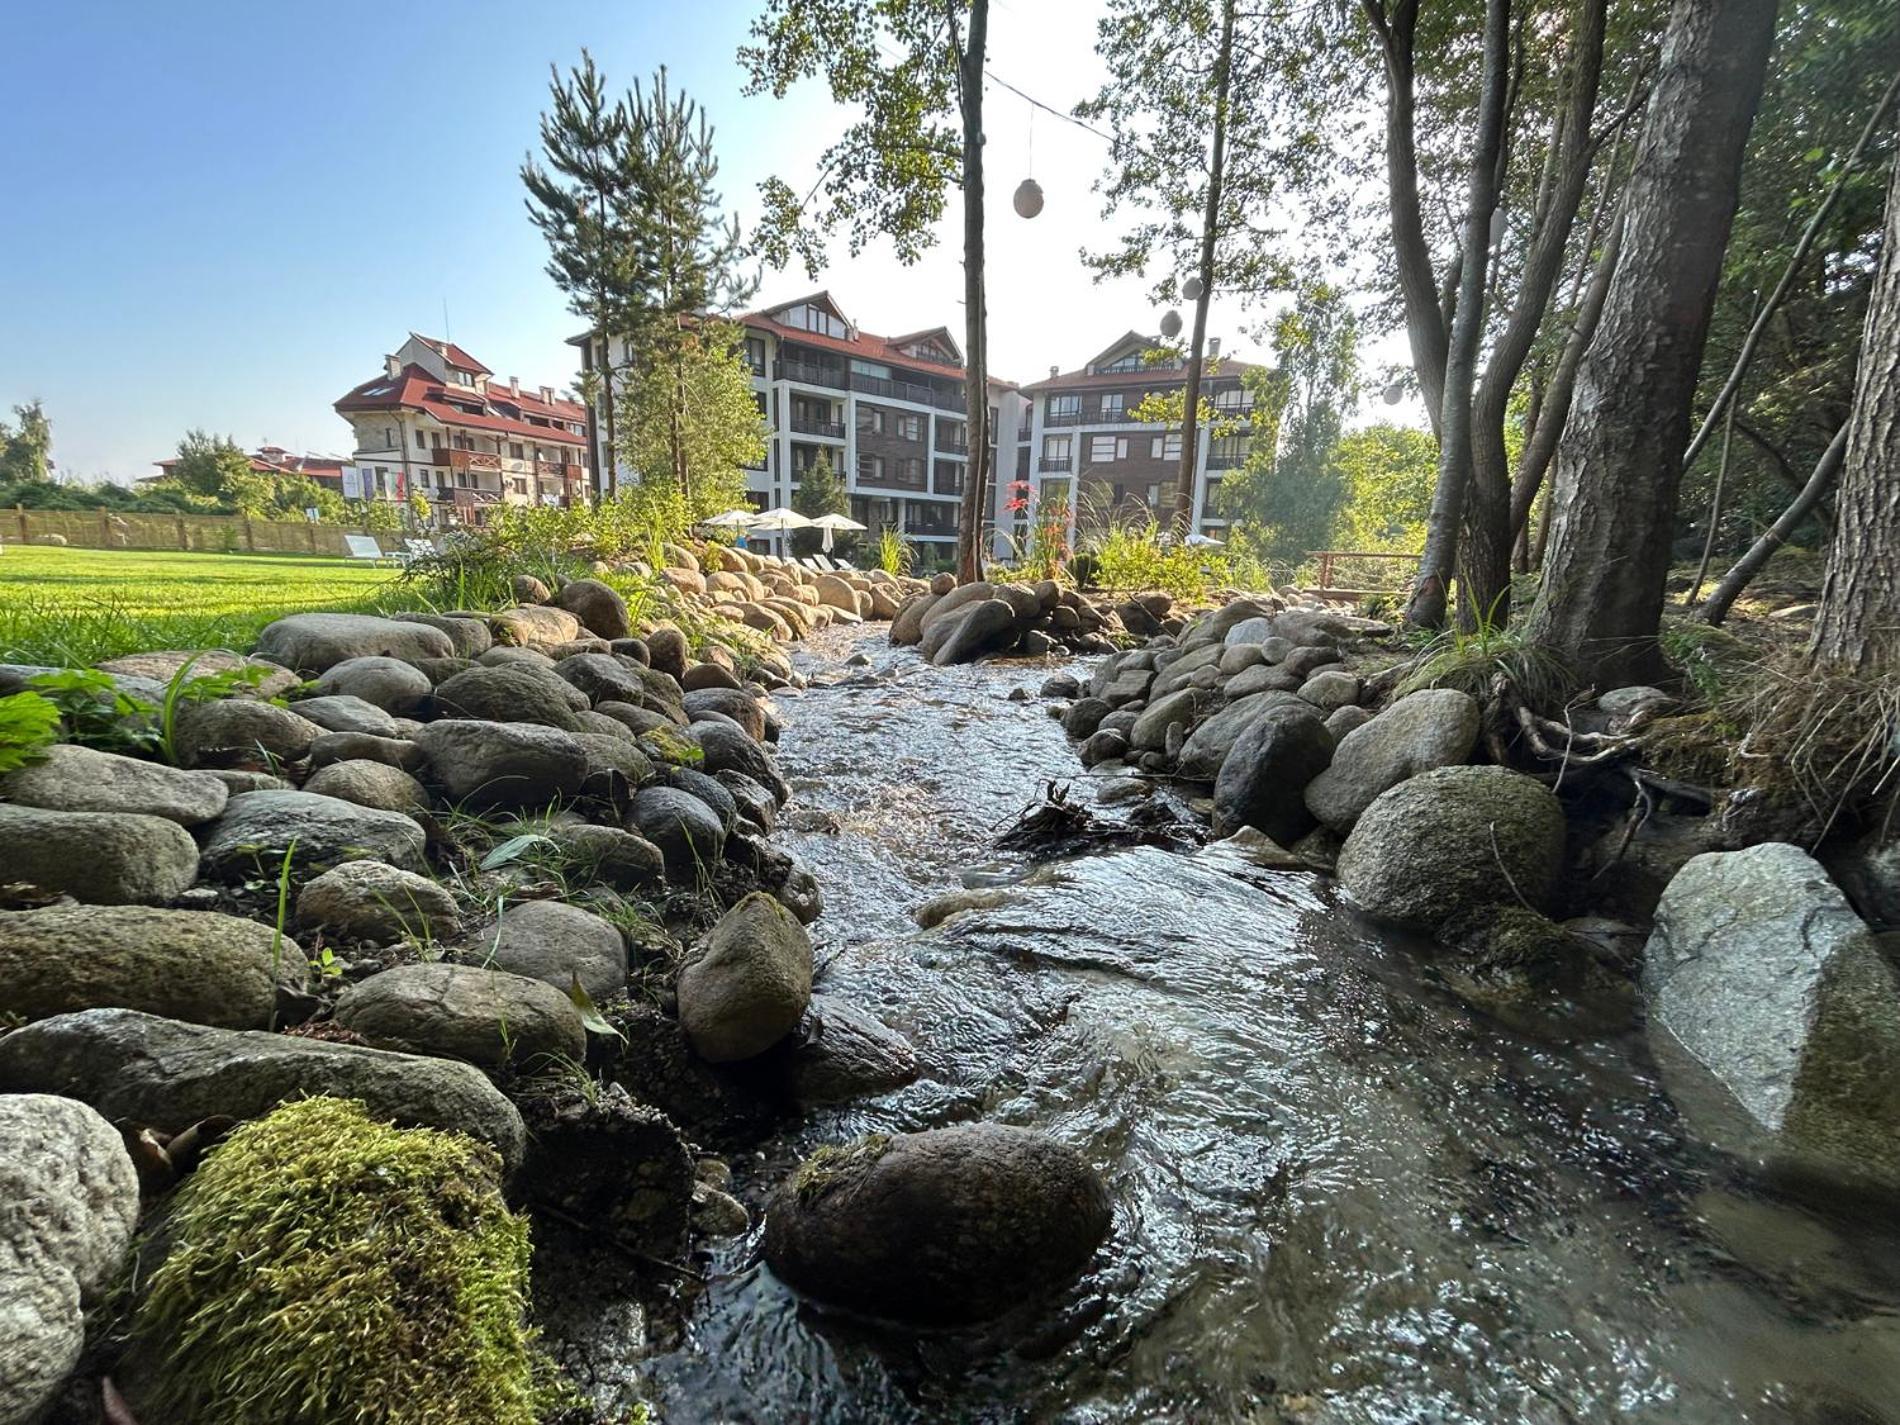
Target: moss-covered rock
x,y
328,1269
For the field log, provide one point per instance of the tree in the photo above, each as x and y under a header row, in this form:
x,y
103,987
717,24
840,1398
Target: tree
x,y
211,465
1388,473
1620,462
702,420
914,70
577,200
24,453
1858,626
820,492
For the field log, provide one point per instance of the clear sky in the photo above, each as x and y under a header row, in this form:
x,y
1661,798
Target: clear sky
x,y
223,214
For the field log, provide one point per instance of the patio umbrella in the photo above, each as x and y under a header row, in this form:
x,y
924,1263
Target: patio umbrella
x,y
733,519
778,521
833,524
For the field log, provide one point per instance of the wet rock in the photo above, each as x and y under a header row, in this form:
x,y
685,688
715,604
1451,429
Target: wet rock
x,y
1150,732
493,764
468,634
718,1214
1624,875
555,944
534,626
741,707
1263,778
73,778
395,686
168,1075
986,625
184,964
1775,1016
1060,685
366,900
259,828
102,858
511,693
602,1159
342,712
609,855
728,749
1436,727
653,1060
1103,745
1453,839
1084,717
1204,751
840,1053
946,1227
743,988
370,784
488,1017
753,801
686,830
240,731
600,609
72,1201
313,643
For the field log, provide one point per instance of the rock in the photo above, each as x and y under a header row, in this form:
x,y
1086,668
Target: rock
x,y
556,944
258,828
907,627
686,830
600,1158
1249,632
468,634
941,1228
184,964
743,988
370,784
607,854
511,693
313,643
73,778
1448,841
71,1200
335,747
1310,627
343,712
1304,662
507,655
727,748
752,800
615,764
391,684
1203,752
667,649
488,1017
1150,732
1262,678
709,790
237,783
1084,717
600,609
840,1053
635,719
1624,875
1330,691
102,858
1869,871
1060,685
493,764
1181,669
162,666
240,731
534,626
1774,1015
601,677
366,900
1436,727
973,632
1344,720
1263,778
708,675
167,1075
1103,745
741,707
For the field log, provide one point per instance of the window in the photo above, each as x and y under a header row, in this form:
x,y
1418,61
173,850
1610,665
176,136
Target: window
x,y
871,368
1102,448
870,420
1112,403
421,444
910,427
1056,447
1130,362
870,469
515,450
389,437
807,317
1065,406
1154,496
755,353
1231,398
1165,447
910,470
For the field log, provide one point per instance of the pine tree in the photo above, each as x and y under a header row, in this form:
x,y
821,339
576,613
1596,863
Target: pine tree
x,y
820,492
23,453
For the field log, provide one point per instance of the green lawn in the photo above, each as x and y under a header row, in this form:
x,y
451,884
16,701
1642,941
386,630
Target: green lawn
x,y
75,606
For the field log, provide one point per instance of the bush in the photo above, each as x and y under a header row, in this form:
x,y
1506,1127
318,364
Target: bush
x,y
327,1269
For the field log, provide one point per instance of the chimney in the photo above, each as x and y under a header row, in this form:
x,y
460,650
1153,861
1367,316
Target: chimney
x,y
390,368
1054,371
1213,346
547,395
514,385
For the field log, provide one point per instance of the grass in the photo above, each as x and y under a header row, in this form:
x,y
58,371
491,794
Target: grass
x,y
78,606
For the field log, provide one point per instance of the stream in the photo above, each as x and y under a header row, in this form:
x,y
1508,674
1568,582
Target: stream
x,y
1341,1195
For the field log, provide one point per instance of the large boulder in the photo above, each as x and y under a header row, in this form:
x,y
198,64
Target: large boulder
x,y
727,749
395,686
69,1200
185,964
366,900
984,626
941,1228
313,643
1436,727
488,1017
1150,732
259,828
73,778
466,632
240,731
511,692
600,609
557,944
502,763
167,1075
102,858
370,784
839,1053
1441,846
1263,778
744,987
684,827
1775,1017
1208,744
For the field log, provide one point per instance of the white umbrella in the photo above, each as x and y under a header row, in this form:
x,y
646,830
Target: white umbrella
x,y
732,519
832,524
1205,541
779,521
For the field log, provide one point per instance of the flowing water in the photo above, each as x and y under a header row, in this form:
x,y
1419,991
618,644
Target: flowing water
x,y
1340,1194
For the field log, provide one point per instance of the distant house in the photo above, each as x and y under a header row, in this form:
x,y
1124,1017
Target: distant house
x,y
439,421
330,471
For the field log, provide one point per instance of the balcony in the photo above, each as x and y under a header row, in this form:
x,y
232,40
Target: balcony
x,y
459,460
951,444
1055,464
1062,418
1226,459
811,375
905,391
808,425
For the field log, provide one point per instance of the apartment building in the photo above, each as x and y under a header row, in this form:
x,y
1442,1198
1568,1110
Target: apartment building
x,y
330,471
1081,441
886,411
439,421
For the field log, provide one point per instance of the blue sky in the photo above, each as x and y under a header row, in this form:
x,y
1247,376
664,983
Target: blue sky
x,y
222,215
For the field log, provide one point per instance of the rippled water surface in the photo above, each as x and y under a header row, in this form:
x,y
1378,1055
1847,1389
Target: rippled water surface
x,y
1340,1195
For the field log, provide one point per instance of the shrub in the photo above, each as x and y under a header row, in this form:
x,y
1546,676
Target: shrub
x,y
327,1269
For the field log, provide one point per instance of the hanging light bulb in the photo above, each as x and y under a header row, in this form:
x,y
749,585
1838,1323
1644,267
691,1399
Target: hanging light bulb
x,y
1192,289
1171,324
1395,393
1028,199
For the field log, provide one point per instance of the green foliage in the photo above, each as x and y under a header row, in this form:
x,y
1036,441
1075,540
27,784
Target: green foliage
x,y
326,1269
25,453
820,492
1469,659
1138,554
895,554
376,516
181,688
29,723
1388,472
94,712
689,418
158,498
210,465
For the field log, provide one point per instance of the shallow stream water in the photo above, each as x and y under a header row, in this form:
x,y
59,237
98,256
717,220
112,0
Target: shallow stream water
x,y
1341,1195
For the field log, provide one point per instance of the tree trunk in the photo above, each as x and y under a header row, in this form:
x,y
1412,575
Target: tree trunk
x,y
1427,606
1723,596
1619,466
976,395
1859,622
1210,224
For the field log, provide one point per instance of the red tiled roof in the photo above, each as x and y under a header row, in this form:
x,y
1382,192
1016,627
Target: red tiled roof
x,y
865,346
413,389
454,355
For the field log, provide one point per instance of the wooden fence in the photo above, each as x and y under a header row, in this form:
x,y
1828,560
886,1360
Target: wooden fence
x,y
1357,573
209,534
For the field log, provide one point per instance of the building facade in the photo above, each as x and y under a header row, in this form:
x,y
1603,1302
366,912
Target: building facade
x,y
1081,441
273,461
439,422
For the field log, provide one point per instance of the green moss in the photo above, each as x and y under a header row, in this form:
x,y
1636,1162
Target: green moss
x,y
822,1169
328,1269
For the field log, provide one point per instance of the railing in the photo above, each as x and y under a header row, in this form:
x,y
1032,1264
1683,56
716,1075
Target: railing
x,y
905,391
1226,459
1331,562
805,425
915,484
951,445
812,375
1048,464
1062,418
